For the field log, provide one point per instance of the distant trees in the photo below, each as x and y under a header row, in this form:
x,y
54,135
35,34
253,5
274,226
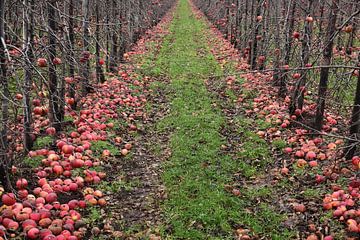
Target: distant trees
x,y
54,52
5,96
311,46
327,55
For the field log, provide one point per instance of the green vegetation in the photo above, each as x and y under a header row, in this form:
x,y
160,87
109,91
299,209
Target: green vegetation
x,y
197,207
33,162
116,186
99,146
313,193
279,144
254,155
43,142
94,215
196,175
68,118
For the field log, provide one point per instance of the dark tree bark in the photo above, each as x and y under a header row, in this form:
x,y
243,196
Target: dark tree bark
x,y
108,37
321,21
4,159
244,40
85,86
227,15
114,38
99,72
297,100
251,35
254,46
71,55
122,41
29,8
354,123
287,49
277,72
54,97
265,38
238,22
324,74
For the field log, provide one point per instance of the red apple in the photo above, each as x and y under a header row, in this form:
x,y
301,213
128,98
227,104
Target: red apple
x,y
38,111
310,155
8,199
51,131
42,62
33,233
21,183
57,61
296,75
19,96
309,19
13,226
67,149
51,197
296,35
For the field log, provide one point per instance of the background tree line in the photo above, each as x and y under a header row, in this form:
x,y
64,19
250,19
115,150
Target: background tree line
x,y
311,47
52,53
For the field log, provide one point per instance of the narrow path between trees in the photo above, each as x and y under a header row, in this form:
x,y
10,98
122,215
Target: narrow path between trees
x,y
197,206
198,175
208,148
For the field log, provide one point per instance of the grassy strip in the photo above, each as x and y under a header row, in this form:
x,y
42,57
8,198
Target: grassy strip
x,y
198,207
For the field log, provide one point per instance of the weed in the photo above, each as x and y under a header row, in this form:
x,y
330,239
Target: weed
x,y
99,146
279,144
33,162
43,142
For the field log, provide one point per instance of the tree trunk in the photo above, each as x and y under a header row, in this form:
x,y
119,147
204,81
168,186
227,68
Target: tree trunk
x,y
354,123
71,55
287,49
99,72
277,43
321,21
254,45
265,39
238,23
86,40
108,36
297,100
54,98
252,21
122,40
324,74
244,41
28,38
5,95
113,53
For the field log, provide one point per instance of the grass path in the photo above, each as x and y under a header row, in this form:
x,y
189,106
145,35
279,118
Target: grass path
x,y
195,175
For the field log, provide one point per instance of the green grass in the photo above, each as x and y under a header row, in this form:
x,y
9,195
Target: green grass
x,y
33,162
198,207
279,144
313,193
255,155
99,146
43,142
117,185
94,215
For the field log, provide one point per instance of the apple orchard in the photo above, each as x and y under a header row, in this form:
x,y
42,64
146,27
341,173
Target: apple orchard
x,y
161,119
